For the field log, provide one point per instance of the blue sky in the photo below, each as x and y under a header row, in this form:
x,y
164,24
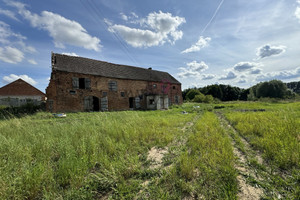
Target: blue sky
x,y
234,42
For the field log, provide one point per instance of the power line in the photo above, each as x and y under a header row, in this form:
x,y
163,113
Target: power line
x,y
90,6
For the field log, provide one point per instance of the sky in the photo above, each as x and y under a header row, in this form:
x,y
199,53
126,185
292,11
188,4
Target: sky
x,y
199,42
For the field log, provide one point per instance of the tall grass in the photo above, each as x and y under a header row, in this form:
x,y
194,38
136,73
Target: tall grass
x,y
275,133
211,158
82,156
205,167
96,155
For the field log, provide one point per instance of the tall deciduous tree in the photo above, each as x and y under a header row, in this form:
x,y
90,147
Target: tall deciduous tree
x,y
272,89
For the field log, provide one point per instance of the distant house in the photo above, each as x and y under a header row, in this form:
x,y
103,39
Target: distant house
x,y
19,93
82,84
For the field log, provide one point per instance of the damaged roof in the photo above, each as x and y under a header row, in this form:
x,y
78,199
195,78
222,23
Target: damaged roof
x,y
82,65
20,88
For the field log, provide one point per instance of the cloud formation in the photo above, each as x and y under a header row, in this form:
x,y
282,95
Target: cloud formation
x,y
244,66
229,76
207,76
11,55
160,28
32,61
62,30
281,75
70,54
9,14
297,11
131,18
268,50
201,43
14,47
256,71
192,69
13,77
7,36
242,81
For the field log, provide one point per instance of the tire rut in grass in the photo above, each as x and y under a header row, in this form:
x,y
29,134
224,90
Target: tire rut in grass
x,y
246,191
156,156
275,183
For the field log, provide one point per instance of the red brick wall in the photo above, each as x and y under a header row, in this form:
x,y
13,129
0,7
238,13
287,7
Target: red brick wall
x,y
60,86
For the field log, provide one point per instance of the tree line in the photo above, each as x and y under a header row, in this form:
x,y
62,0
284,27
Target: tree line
x,y
268,89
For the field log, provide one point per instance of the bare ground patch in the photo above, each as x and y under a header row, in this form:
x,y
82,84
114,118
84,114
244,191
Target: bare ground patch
x,y
155,156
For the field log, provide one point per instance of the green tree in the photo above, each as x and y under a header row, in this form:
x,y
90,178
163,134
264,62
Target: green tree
x,y
192,93
272,89
184,93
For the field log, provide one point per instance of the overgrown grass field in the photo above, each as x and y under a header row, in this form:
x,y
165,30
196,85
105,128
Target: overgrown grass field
x,y
104,155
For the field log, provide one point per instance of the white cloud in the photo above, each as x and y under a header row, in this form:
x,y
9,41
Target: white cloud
x,y
13,77
202,42
164,22
32,61
268,50
11,55
9,14
123,16
70,54
131,18
193,69
16,4
14,49
134,15
245,66
256,71
162,27
230,75
242,81
207,76
25,48
196,66
138,37
7,35
62,30
286,74
297,11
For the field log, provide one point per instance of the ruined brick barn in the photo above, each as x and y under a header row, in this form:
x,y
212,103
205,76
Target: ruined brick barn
x,y
82,84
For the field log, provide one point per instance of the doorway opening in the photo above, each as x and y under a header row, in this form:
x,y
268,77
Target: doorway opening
x,y
95,103
91,103
131,101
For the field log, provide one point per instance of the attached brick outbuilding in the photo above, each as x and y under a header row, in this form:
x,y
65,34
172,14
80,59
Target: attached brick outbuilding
x,y
82,84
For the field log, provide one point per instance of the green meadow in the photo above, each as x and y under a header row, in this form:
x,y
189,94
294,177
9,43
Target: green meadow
x,y
105,155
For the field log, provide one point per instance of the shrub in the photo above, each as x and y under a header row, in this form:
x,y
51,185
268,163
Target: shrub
x,y
199,98
10,112
192,93
208,99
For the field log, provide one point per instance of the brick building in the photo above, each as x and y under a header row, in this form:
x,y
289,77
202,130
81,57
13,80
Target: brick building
x,y
19,92
82,84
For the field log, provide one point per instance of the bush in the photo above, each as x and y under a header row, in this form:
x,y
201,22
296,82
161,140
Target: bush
x,y
208,99
10,112
192,93
199,98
